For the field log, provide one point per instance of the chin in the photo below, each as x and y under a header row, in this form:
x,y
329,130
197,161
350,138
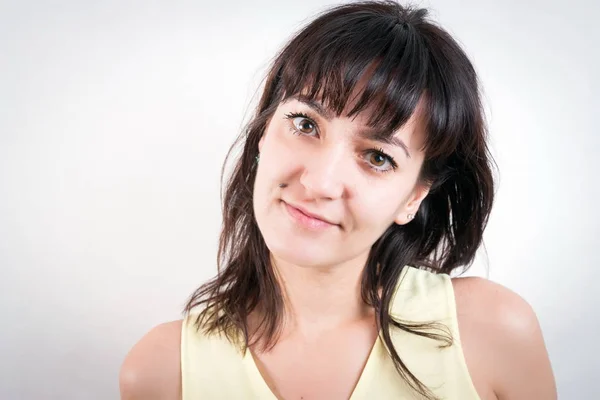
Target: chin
x,y
299,252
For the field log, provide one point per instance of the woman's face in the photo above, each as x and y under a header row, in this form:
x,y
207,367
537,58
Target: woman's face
x,y
345,186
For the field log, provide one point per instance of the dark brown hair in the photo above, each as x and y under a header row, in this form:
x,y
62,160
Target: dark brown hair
x,y
405,59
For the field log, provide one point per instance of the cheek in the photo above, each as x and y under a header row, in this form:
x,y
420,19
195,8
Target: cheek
x,y
282,152
276,161
377,207
276,144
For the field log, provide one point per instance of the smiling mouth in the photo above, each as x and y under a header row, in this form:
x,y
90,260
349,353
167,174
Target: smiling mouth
x,y
307,220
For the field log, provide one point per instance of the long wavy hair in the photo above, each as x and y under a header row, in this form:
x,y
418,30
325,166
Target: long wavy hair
x,y
405,59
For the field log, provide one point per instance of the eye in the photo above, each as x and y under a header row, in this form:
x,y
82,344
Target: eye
x,y
378,160
302,124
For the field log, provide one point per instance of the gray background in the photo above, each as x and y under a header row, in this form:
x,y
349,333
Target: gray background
x,y
115,118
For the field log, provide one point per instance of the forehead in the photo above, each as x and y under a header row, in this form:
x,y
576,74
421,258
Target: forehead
x,y
381,97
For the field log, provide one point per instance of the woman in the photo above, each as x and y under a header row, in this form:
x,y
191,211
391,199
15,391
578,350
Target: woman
x,y
364,181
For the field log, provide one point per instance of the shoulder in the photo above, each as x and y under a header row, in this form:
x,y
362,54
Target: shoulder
x,y
474,294
151,369
502,339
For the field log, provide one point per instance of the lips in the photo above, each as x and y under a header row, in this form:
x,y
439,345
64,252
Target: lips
x,y
306,217
312,215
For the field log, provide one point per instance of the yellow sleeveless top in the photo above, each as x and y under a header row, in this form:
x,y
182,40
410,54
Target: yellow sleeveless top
x,y
212,368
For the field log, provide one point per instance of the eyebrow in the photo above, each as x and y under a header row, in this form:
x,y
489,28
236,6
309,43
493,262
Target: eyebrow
x,y
369,134
315,105
385,137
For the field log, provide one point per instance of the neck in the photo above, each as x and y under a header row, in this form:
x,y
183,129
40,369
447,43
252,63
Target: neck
x,y
322,298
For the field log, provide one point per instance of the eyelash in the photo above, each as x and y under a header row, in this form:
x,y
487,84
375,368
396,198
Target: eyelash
x,y
292,115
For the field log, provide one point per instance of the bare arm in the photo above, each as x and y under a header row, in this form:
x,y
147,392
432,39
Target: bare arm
x,y
152,368
504,331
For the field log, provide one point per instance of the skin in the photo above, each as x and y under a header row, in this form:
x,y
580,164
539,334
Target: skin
x,y
330,170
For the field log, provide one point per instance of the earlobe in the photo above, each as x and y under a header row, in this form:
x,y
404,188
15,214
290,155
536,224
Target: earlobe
x,y
408,212
412,207
404,218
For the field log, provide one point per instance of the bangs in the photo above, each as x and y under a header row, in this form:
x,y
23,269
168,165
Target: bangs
x,y
376,65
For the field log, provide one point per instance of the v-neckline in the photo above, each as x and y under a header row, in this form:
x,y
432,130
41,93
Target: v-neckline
x,y
359,391
376,355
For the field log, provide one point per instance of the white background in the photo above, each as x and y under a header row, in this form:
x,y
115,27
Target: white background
x,y
115,118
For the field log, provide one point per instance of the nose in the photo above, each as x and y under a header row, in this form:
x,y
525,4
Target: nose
x,y
325,172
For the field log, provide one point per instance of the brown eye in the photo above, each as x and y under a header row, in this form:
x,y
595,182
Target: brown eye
x,y
377,159
304,125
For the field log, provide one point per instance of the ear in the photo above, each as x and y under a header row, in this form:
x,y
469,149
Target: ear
x,y
260,142
413,203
